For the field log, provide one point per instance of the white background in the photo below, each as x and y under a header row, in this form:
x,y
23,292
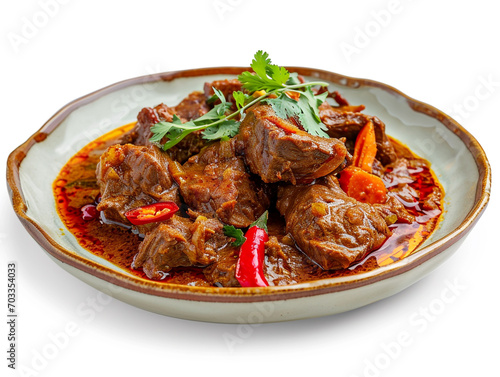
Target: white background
x,y
441,53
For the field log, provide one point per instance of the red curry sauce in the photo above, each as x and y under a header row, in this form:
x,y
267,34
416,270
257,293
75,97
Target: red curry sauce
x,y
76,186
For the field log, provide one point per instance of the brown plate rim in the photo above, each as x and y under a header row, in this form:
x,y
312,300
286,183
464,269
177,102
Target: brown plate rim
x,y
215,294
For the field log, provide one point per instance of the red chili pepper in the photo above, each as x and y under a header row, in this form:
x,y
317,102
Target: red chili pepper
x,y
89,212
151,213
249,268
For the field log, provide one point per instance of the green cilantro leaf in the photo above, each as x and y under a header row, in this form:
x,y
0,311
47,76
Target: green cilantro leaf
x,y
241,99
314,101
284,106
212,99
219,94
309,121
293,79
254,83
267,76
161,129
218,112
224,130
305,110
237,234
221,108
260,63
279,74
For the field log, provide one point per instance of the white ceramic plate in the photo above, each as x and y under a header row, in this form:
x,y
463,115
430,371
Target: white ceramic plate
x,y
33,167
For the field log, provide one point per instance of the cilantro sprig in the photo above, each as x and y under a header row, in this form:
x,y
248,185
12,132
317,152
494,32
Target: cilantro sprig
x,y
268,79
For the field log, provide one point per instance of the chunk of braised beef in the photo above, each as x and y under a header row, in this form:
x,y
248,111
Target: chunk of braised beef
x,y
180,242
215,182
276,154
131,176
163,248
222,271
284,264
147,117
332,228
191,107
341,123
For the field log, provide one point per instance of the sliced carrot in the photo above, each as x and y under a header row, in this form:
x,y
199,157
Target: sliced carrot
x,y
365,148
362,186
357,180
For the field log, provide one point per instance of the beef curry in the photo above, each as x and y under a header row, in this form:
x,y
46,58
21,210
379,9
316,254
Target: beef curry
x,y
335,207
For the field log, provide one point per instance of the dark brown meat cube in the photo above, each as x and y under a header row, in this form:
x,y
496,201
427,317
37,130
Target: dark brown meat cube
x,y
341,123
192,107
222,272
284,264
131,176
333,229
215,183
164,248
278,155
147,117
179,242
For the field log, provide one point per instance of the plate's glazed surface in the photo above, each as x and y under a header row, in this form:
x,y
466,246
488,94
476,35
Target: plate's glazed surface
x,y
457,159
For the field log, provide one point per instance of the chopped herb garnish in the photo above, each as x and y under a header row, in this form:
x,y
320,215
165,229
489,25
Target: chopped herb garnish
x,y
267,79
